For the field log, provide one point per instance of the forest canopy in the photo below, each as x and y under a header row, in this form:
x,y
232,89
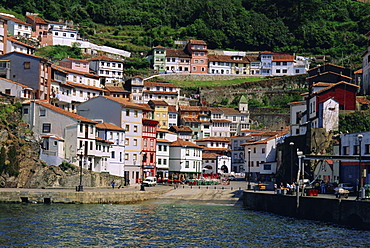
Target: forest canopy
x,y
332,27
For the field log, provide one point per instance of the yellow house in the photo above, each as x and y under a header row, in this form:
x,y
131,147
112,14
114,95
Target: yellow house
x,y
160,112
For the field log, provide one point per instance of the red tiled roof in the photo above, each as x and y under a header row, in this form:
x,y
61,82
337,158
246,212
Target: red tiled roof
x,y
37,19
124,102
183,143
228,58
13,82
105,58
159,47
159,102
193,108
220,120
362,100
13,39
163,141
65,112
116,89
53,137
180,53
161,92
282,57
197,42
14,20
182,128
298,102
151,84
78,85
77,60
216,149
217,139
322,84
161,130
190,119
359,71
172,108
109,126
103,140
209,155
65,70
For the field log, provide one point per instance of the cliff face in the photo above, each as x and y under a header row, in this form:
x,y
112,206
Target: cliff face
x,y
20,166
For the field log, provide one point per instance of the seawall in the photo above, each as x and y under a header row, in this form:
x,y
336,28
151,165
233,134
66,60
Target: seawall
x,y
84,197
341,211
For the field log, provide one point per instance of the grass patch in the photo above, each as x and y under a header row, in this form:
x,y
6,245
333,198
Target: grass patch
x,y
211,83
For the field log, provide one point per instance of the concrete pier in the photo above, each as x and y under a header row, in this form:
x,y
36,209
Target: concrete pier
x,y
322,208
88,196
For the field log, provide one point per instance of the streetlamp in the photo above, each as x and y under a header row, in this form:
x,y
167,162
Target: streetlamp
x,y
291,161
249,168
142,188
360,136
80,187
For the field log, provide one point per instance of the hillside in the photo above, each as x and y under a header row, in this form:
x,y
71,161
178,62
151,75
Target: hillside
x,y
330,27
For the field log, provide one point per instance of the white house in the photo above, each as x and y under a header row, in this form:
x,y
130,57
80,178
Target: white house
x,y
126,115
185,159
164,138
70,87
108,69
261,154
116,137
16,89
65,135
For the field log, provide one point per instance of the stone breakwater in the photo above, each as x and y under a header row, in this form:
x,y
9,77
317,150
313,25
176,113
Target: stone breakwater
x,y
93,196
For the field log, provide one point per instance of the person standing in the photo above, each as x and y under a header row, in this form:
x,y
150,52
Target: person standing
x,y
112,183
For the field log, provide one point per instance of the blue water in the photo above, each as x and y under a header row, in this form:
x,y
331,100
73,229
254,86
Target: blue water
x,y
152,224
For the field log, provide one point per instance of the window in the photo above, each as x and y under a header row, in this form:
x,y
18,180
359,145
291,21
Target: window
x,y
42,112
186,164
46,128
277,70
25,111
159,161
367,148
127,128
135,128
126,156
135,142
356,150
345,150
165,148
27,65
127,112
136,113
127,141
112,154
267,167
263,150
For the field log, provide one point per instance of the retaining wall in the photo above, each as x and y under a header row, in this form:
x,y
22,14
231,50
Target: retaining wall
x,y
45,196
346,212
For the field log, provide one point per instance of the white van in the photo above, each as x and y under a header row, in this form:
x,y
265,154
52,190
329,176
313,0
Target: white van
x,y
150,181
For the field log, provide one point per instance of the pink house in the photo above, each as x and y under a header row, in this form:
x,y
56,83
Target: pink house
x,y
199,59
75,64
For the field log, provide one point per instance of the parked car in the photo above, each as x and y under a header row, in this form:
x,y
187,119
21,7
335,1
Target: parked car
x,y
346,186
150,181
330,187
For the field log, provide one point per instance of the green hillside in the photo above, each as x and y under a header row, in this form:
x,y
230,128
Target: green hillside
x,y
330,27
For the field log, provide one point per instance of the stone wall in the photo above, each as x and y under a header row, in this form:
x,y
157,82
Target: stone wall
x,y
60,196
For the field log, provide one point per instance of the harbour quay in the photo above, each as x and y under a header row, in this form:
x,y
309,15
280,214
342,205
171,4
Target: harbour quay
x,y
327,208
125,195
